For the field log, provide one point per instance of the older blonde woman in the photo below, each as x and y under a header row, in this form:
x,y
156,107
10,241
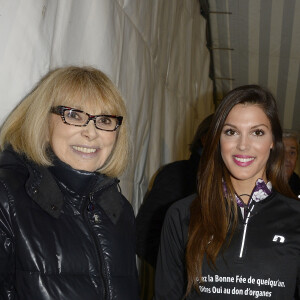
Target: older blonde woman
x,y
66,231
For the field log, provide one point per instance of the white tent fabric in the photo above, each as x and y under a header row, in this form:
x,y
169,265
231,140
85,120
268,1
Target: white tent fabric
x,y
153,50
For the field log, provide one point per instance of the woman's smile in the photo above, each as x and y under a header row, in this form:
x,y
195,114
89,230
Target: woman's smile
x,y
243,160
84,149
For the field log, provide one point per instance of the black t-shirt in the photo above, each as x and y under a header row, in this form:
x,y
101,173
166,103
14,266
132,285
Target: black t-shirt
x,y
267,268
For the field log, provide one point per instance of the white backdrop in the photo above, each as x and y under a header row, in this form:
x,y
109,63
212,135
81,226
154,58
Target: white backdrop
x,y
155,52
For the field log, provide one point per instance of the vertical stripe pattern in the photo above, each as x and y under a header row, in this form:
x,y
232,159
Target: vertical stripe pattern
x,y
265,36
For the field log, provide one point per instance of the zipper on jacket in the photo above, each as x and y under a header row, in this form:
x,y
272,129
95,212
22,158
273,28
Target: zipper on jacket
x,y
245,232
98,250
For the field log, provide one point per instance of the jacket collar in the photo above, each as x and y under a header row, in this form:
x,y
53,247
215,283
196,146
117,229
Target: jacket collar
x,y
78,181
42,183
43,189
43,186
39,185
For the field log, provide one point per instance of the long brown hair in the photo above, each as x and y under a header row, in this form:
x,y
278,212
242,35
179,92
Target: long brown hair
x,y
214,215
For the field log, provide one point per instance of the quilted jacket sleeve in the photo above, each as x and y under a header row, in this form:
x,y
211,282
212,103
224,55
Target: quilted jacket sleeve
x,y
7,266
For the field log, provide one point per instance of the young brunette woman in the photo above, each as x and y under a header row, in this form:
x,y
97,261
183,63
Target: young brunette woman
x,y
239,237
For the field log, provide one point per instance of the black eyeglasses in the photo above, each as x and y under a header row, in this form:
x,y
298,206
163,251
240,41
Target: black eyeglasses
x,y
76,117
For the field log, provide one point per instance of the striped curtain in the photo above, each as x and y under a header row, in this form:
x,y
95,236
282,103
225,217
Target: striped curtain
x,y
258,42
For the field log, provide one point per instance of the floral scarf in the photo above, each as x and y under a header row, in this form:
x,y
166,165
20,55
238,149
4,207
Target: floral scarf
x,y
260,192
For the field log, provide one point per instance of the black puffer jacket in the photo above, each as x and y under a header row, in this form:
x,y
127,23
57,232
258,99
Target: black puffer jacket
x,y
64,234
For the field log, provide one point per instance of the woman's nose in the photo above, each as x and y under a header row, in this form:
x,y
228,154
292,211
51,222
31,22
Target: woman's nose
x,y
90,131
243,143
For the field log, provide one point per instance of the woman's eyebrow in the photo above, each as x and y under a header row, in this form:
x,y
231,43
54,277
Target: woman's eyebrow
x,y
252,127
230,125
259,125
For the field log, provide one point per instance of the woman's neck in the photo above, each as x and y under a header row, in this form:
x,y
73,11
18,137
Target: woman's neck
x,y
244,188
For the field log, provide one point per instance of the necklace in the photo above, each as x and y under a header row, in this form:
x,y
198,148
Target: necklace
x,y
244,195
241,202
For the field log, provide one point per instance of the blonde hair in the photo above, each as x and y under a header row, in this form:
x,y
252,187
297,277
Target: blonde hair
x,y
27,127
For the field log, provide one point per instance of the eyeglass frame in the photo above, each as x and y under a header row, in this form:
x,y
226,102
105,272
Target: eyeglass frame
x,y
60,110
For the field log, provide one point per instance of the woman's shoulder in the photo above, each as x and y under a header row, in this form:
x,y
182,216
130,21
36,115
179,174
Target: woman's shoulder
x,y
176,222
181,209
184,203
12,163
13,171
290,203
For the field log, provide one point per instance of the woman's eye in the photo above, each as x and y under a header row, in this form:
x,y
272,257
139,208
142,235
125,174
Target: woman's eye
x,y
73,115
104,120
258,132
230,132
